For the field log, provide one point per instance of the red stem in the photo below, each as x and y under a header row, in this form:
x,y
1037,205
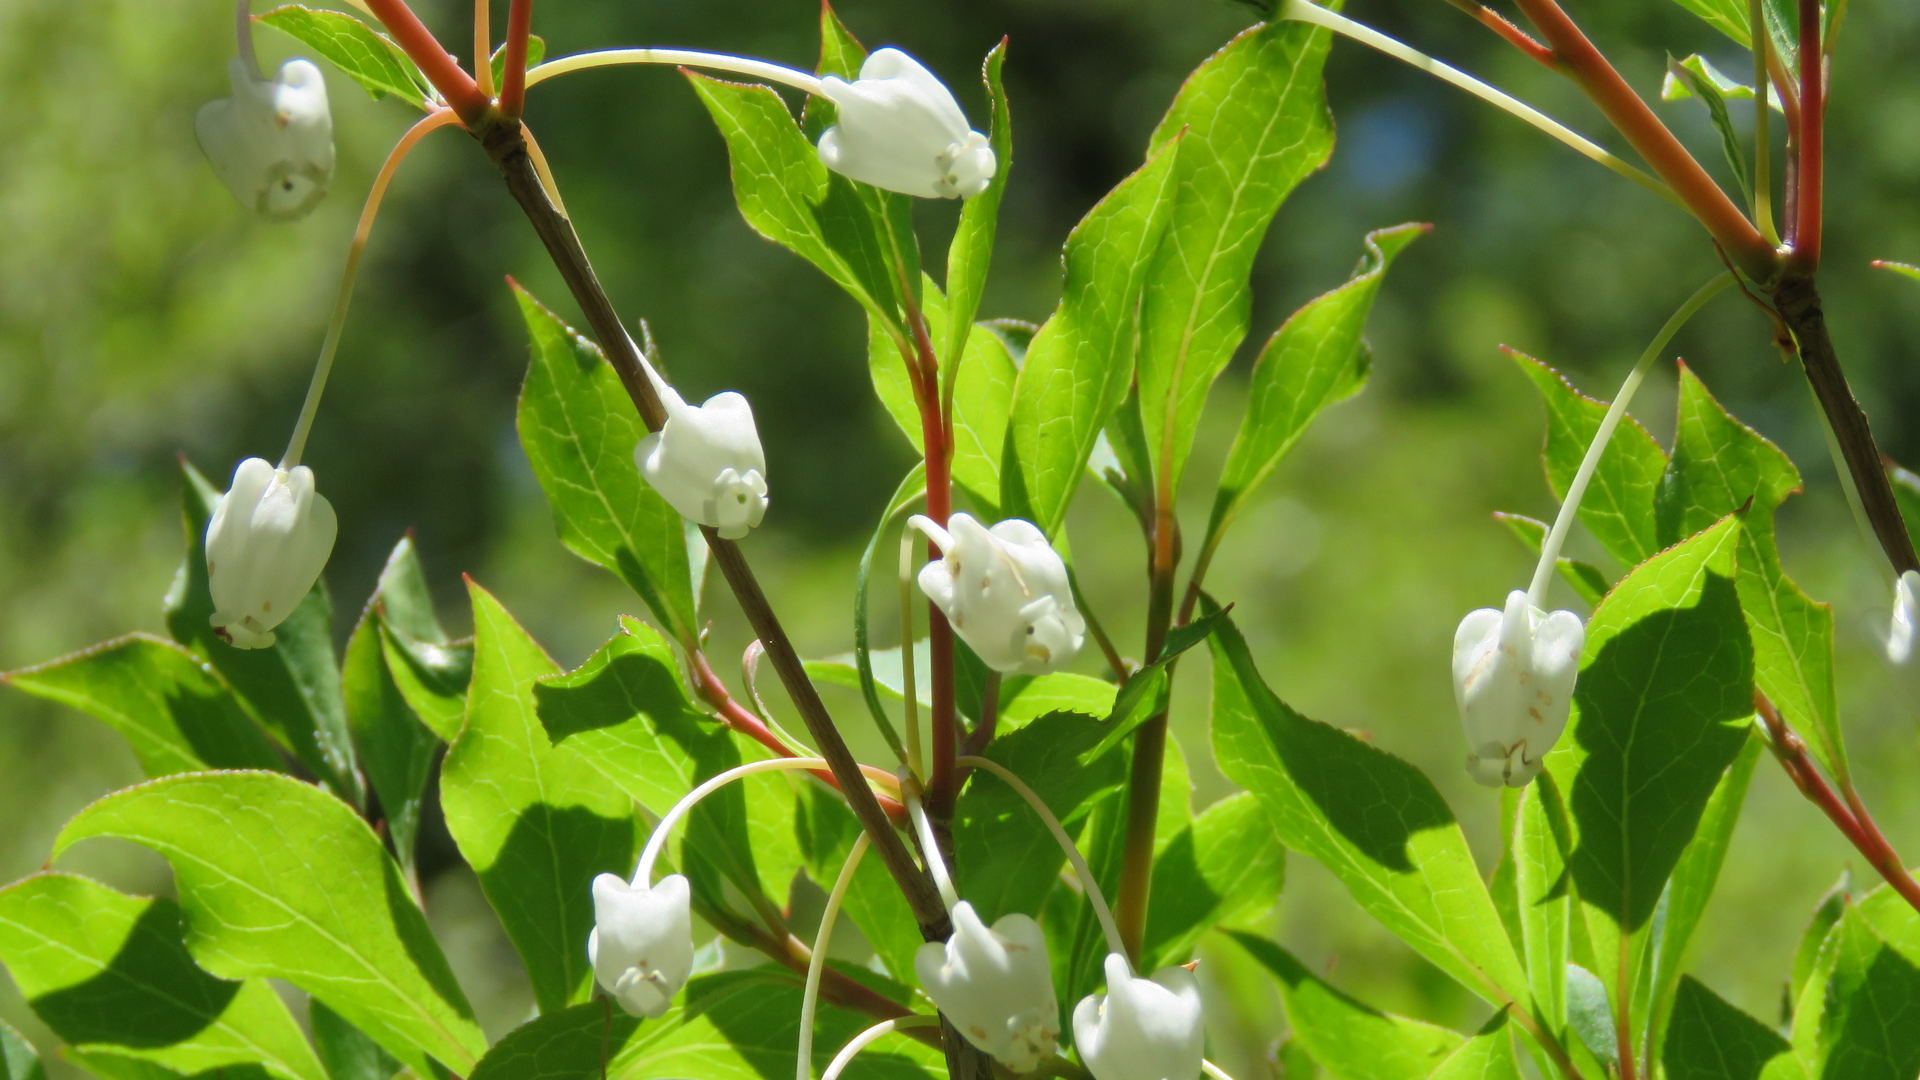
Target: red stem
x,y
1812,142
1577,56
513,79
740,719
1515,36
923,369
441,69
1849,816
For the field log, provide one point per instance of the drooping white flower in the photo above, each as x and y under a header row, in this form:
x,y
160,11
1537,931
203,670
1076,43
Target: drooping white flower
x,y
271,142
707,462
1906,616
899,128
641,947
1005,591
1142,1029
267,542
1513,676
995,985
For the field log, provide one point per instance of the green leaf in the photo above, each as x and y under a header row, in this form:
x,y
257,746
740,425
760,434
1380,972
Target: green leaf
x,y
579,430
565,1045
396,747
1903,269
536,52
18,1059
1372,819
1825,915
1145,694
1708,1039
1316,358
1718,465
103,968
170,705
1859,1015
347,1053
625,714
1618,507
306,893
1781,18
536,821
980,402
1007,859
432,677
1541,842
363,54
1079,365
1590,1015
971,251
1906,493
846,230
1255,123
1662,707
1698,871
292,689
1673,88
1586,580
1486,1056
745,1026
1348,1039
1697,75
1225,868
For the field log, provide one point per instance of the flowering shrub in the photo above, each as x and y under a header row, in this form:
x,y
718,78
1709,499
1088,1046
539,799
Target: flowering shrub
x,y
1023,864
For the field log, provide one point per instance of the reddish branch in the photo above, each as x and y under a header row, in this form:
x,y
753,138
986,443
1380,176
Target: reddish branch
x,y
441,69
1577,56
1810,168
513,80
1848,814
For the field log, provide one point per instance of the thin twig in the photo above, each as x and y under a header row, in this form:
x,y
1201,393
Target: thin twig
x,y
1810,178
513,73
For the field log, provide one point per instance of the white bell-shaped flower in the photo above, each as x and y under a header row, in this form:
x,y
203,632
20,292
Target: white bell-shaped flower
x,y
1906,615
1005,591
641,947
267,542
1142,1029
996,986
899,128
707,462
271,143
1513,676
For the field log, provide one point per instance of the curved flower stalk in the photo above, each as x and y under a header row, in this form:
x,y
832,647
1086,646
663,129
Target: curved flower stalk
x,y
898,127
1005,590
1906,614
1514,670
267,541
1142,1029
869,1037
641,947
706,461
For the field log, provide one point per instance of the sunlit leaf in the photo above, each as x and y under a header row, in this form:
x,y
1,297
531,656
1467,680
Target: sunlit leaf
x,y
365,55
107,970
536,822
579,430
279,879
1351,1040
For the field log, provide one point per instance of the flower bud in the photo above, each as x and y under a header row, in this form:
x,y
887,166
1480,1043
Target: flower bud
x,y
1513,675
271,143
1142,1029
641,947
1906,613
899,128
996,986
1005,591
266,545
707,462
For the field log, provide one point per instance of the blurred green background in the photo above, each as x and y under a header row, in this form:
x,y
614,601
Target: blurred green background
x,y
144,315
